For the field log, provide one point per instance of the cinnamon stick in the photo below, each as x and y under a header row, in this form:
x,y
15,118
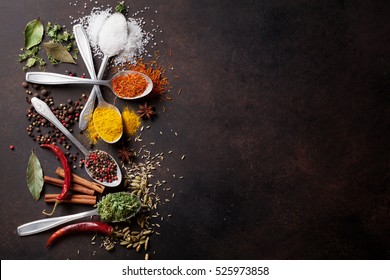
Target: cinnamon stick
x,y
74,198
74,187
79,180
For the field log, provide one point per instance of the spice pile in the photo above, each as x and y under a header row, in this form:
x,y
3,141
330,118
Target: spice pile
x,y
118,207
108,123
101,166
128,86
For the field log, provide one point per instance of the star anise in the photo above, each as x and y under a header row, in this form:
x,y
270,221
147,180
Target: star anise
x,y
146,111
125,154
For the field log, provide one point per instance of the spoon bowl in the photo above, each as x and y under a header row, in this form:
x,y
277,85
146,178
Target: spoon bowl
x,y
46,78
48,223
44,110
126,73
108,122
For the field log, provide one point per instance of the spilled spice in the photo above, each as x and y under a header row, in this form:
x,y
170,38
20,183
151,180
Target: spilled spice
x,y
131,122
91,133
155,72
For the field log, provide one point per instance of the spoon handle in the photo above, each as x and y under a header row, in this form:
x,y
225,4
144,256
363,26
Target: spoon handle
x,y
85,52
100,75
46,78
48,223
84,48
86,113
44,110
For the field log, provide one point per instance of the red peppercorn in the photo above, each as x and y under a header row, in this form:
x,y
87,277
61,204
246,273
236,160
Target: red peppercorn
x,y
12,148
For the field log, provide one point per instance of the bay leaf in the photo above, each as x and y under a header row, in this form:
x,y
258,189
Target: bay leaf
x,y
34,176
58,52
33,33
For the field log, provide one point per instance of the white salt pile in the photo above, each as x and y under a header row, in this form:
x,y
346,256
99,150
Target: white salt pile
x,y
92,24
136,42
112,36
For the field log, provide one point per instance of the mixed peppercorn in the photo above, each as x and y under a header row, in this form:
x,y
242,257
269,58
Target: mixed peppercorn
x,y
41,130
101,166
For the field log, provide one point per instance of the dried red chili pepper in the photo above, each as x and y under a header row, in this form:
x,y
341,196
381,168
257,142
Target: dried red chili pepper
x,y
80,227
67,178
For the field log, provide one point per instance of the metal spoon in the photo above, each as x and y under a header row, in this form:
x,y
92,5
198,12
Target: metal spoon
x,y
44,110
60,79
48,223
85,51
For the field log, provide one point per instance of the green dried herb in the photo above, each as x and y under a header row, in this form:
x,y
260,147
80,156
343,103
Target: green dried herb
x,y
32,58
34,176
52,30
57,34
33,33
115,207
120,7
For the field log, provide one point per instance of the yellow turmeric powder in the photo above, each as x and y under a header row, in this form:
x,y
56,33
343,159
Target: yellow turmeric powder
x,y
108,123
131,122
91,133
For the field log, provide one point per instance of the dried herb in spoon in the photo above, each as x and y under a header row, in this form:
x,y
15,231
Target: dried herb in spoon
x,y
116,207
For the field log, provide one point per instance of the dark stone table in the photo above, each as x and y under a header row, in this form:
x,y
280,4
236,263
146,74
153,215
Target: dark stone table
x,y
281,109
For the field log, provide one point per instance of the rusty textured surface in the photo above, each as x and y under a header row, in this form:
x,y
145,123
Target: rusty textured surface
x,y
283,116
